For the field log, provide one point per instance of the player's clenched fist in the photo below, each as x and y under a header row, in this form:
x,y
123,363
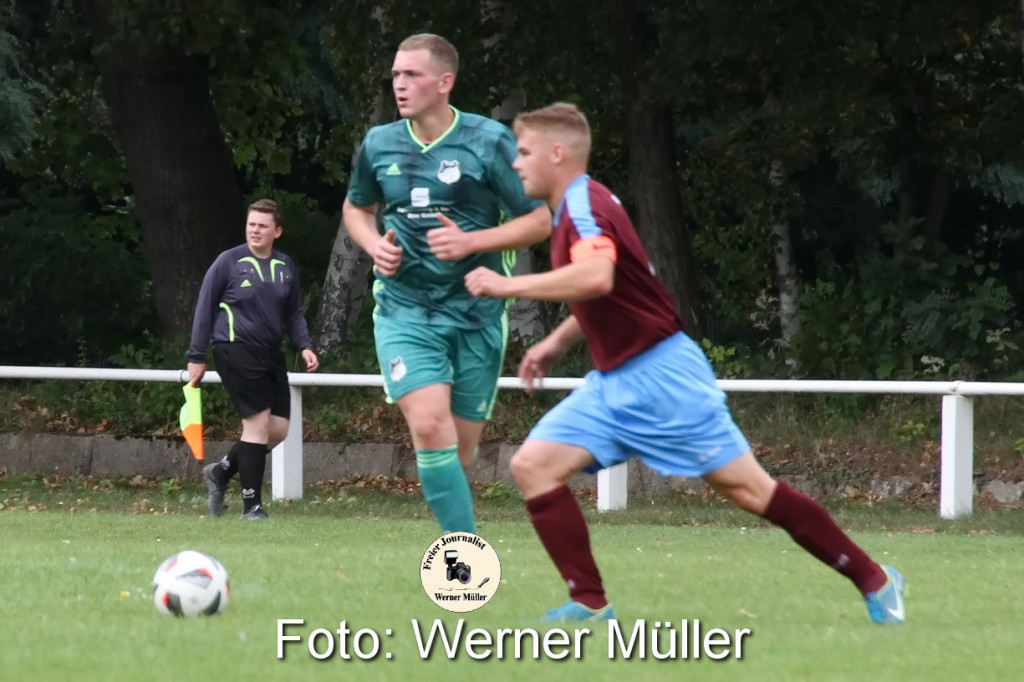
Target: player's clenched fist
x,y
484,282
448,242
387,255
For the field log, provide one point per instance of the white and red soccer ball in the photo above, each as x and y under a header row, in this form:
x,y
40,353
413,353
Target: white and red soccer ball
x,y
191,583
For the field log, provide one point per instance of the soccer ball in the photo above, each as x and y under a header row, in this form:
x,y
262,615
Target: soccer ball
x,y
191,583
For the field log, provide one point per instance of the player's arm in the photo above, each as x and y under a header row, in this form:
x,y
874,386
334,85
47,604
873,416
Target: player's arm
x,y
540,358
449,242
298,329
566,334
527,229
210,292
361,224
359,213
531,224
590,274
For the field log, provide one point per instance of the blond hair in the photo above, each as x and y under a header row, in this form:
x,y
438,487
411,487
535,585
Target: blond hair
x,y
267,206
562,120
441,51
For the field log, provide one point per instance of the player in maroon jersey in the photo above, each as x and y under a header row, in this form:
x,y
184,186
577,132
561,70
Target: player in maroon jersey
x,y
652,394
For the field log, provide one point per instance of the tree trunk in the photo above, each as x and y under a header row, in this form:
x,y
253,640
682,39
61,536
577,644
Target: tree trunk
x,y
938,202
524,315
1020,33
188,202
344,292
786,281
785,269
650,138
659,207
348,273
908,188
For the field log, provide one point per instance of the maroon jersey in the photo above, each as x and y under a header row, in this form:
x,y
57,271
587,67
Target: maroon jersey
x,y
638,313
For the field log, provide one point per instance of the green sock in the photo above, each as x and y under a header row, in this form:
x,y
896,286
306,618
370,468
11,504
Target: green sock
x,y
446,489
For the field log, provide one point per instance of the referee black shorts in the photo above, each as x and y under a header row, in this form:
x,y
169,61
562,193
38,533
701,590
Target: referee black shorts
x,y
255,378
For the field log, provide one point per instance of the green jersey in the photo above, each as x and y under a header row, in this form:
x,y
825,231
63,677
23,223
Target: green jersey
x,y
467,175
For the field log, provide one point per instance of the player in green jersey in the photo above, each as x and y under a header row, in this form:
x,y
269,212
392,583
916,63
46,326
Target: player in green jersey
x,y
443,181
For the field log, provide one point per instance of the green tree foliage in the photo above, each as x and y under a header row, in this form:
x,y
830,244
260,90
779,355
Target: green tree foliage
x,y
909,312
896,127
74,290
19,95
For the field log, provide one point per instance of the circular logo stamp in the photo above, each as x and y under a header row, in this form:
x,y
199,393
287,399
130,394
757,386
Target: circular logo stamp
x,y
460,572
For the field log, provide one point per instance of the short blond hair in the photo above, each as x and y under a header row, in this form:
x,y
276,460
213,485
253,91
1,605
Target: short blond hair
x,y
564,121
441,51
267,206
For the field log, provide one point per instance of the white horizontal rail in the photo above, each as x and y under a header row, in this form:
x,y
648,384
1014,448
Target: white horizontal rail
x,y
956,474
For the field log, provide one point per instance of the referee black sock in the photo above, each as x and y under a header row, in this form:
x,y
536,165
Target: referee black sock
x,y
252,461
228,466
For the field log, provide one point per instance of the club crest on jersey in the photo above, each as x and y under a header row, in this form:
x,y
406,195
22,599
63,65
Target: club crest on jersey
x,y
449,172
396,368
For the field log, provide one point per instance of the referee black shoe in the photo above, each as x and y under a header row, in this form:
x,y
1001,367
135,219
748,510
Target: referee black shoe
x,y
214,488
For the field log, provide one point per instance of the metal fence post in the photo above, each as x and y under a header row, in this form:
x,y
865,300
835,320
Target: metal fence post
x,y
956,491
612,488
286,462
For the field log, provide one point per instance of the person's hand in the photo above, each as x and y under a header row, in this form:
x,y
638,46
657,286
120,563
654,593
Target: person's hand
x,y
448,242
538,361
196,370
483,282
387,255
312,362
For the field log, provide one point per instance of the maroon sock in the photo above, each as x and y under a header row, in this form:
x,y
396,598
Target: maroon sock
x,y
559,523
814,529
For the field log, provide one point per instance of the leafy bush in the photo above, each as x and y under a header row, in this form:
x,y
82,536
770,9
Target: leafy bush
x,y
76,290
903,312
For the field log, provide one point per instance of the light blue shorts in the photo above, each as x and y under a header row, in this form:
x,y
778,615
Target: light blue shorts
x,y
413,356
662,406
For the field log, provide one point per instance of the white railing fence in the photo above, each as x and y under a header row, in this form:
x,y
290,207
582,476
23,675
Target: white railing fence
x,y
956,489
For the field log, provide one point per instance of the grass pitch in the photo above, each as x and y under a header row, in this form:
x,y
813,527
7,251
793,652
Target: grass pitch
x,y
77,605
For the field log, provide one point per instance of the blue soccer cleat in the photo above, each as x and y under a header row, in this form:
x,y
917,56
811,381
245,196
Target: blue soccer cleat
x,y
572,611
886,605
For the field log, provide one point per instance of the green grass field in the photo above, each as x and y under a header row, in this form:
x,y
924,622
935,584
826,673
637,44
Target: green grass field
x,y
76,599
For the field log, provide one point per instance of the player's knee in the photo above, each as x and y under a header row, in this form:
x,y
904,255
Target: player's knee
x,y
519,467
749,498
276,435
426,429
527,467
427,422
256,428
279,426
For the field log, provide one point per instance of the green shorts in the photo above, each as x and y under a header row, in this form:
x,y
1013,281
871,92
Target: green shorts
x,y
413,356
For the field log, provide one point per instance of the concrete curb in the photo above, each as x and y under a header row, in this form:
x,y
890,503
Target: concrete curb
x,y
108,456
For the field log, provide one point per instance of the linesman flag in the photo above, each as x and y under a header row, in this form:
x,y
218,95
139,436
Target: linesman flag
x,y
191,419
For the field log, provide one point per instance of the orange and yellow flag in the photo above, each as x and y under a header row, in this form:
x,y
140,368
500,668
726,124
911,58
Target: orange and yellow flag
x,y
191,419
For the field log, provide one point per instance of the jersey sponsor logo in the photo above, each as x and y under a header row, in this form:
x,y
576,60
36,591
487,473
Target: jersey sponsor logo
x,y
393,169
397,369
449,172
419,197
